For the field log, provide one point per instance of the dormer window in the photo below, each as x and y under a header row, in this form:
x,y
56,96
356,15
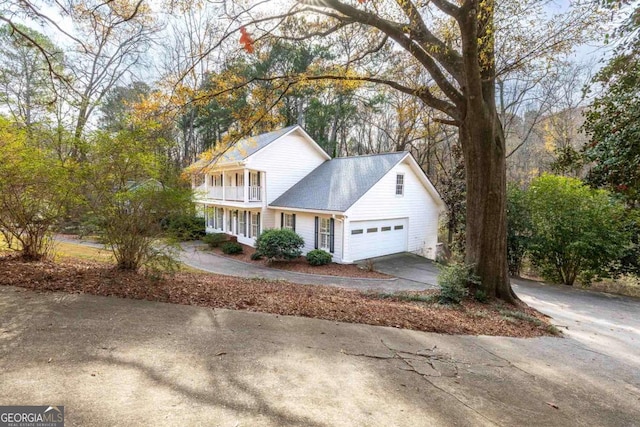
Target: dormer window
x,y
399,184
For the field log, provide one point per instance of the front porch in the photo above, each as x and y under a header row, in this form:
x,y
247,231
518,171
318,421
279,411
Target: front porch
x,y
245,224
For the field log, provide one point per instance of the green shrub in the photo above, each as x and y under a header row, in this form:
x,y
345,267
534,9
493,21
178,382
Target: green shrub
x,y
481,296
454,281
231,248
215,239
256,256
184,227
519,229
577,231
279,244
318,257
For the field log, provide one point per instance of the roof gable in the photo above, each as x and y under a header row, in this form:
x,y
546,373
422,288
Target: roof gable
x,y
247,147
337,184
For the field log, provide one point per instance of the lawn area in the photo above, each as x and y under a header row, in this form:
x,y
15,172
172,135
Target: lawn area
x,y
64,250
416,311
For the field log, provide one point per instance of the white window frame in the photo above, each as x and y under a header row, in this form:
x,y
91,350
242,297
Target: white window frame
x,y
254,178
288,221
324,234
400,185
209,214
241,224
255,224
219,220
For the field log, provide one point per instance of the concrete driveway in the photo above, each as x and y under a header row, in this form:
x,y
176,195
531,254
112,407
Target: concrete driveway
x,y
596,321
121,362
196,255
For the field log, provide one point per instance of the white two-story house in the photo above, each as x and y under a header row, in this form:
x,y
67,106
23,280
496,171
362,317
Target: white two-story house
x,y
353,207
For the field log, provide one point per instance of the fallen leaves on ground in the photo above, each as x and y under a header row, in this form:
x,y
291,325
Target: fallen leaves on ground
x,y
300,265
278,297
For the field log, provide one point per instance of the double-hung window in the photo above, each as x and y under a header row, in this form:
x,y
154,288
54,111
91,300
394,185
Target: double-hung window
x,y
255,224
241,224
399,184
210,217
325,233
219,218
288,221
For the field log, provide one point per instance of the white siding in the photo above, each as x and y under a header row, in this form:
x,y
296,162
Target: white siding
x,y
381,202
269,219
305,227
285,161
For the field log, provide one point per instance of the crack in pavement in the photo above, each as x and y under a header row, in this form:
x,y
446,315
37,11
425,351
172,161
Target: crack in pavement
x,y
508,365
427,358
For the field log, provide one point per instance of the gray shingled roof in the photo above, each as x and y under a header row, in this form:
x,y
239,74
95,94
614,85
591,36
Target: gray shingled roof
x,y
246,147
337,184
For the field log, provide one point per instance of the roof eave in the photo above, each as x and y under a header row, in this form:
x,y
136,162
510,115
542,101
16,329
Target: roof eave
x,y
224,165
307,210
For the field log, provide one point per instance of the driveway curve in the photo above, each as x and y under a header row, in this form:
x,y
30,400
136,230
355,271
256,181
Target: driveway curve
x,y
596,322
196,256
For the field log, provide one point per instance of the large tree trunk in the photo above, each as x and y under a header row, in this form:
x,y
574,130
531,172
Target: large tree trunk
x,y
483,148
486,237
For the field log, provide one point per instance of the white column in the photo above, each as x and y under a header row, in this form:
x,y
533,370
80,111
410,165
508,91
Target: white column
x,y
246,186
346,236
263,188
223,185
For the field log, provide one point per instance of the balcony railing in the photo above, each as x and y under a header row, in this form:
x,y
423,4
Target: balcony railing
x,y
234,193
215,193
255,194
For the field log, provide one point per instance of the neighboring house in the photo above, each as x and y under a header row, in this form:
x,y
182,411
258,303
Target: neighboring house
x,y
353,207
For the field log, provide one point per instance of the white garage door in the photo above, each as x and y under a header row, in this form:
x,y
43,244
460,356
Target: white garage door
x,y
368,239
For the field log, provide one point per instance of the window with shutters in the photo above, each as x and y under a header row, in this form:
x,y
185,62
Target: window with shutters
x,y
209,217
241,224
288,222
325,233
219,218
255,224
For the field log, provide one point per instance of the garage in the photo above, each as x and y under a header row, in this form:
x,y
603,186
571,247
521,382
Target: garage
x,y
369,239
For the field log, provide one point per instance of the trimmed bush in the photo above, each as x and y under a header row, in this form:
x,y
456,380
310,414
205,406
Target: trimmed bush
x,y
215,239
318,257
279,244
231,248
454,281
184,227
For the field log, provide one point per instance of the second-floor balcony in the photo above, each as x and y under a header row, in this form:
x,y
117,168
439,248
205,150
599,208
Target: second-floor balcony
x,y
234,194
241,185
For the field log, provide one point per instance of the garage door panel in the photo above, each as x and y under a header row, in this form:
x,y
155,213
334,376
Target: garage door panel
x,y
370,239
